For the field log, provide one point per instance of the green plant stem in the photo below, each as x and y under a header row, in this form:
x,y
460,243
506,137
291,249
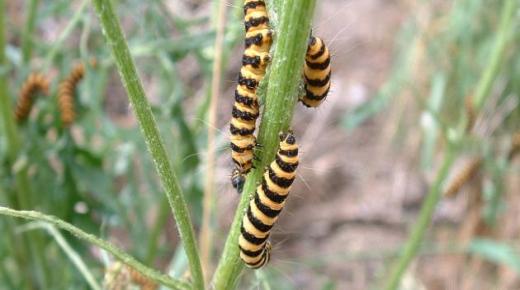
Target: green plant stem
x,y
116,40
30,21
419,229
71,254
155,233
12,137
295,17
208,201
482,91
11,133
503,37
13,146
78,233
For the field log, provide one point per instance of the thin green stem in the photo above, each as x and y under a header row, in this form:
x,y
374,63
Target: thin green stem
x,y
58,44
116,40
13,145
503,37
71,254
115,251
482,91
155,233
419,229
208,202
295,17
30,21
6,111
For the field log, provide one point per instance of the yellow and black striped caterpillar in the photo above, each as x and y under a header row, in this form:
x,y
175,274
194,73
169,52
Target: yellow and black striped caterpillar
x,y
66,92
246,107
35,83
316,73
268,202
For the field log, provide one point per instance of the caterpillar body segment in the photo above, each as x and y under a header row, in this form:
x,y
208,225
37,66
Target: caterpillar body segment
x,y
268,202
255,15
253,69
255,61
242,152
462,177
257,259
246,108
34,83
316,73
66,93
259,40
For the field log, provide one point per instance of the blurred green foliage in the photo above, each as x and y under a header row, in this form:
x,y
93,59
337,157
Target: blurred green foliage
x,y
448,54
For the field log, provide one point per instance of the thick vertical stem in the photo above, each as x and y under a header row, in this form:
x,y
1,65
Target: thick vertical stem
x,y
295,17
116,40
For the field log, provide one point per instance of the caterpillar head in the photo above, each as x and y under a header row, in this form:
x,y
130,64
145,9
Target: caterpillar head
x,y
237,180
312,41
287,137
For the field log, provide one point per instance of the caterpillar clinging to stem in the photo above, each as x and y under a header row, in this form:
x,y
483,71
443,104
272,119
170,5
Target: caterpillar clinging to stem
x,y
267,204
246,108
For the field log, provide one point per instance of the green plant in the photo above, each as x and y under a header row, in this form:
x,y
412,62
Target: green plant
x,y
79,161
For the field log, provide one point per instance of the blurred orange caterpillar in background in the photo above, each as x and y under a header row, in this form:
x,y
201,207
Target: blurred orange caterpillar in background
x,y
34,83
267,204
66,94
316,72
462,177
246,107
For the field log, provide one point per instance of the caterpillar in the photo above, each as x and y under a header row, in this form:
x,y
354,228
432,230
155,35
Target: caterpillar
x,y
515,146
268,202
34,83
462,177
144,282
316,73
121,276
66,94
246,108
470,113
